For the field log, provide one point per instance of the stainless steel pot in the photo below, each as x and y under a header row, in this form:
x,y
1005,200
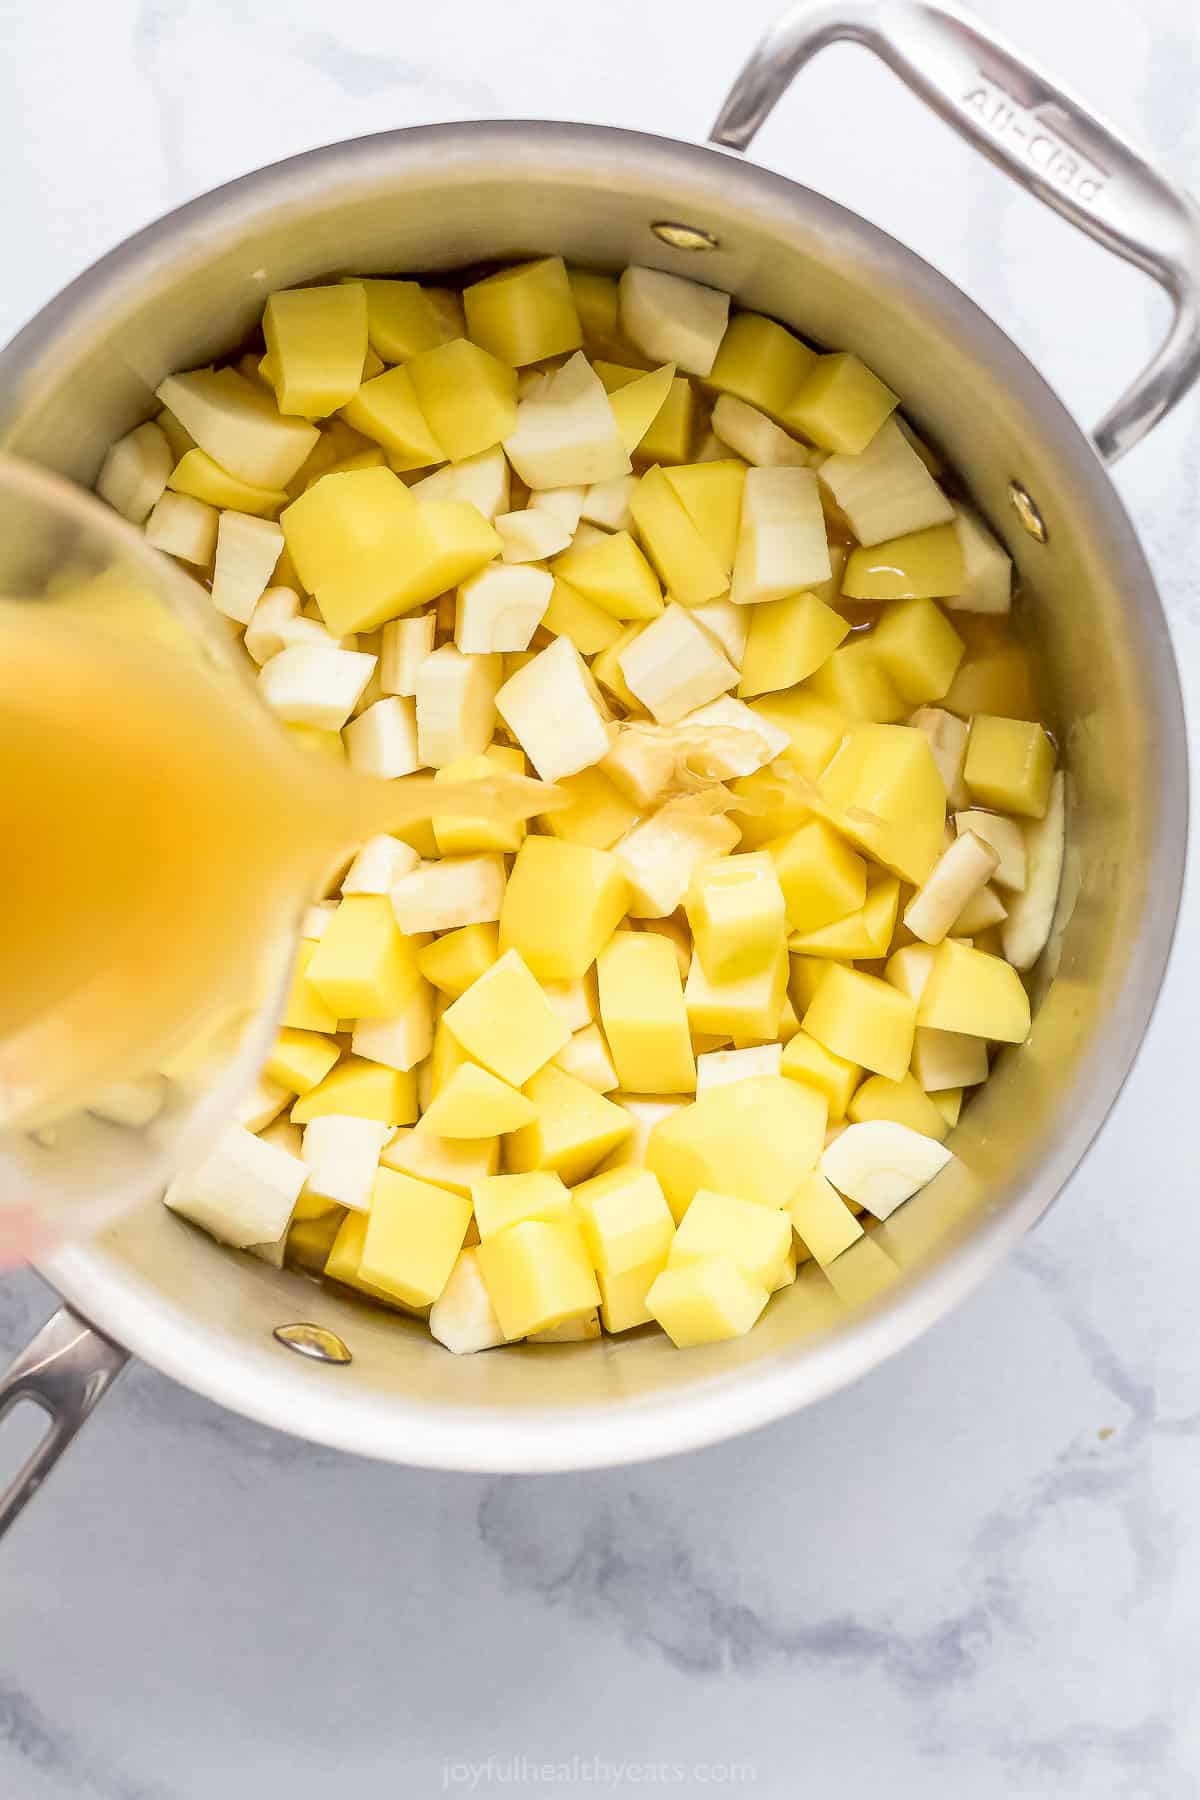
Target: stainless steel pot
x,y
190,286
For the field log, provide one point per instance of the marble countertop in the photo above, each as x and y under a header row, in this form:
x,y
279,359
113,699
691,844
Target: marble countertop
x,y
978,1572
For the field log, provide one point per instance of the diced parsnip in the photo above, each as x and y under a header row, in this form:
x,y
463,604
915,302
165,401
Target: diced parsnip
x,y
243,1192
607,503
269,628
587,1058
183,527
987,569
661,854
402,1041
310,685
673,320
717,1067
456,705
379,865
886,489
341,1157
531,535
317,918
404,645
729,624
135,472
574,1001
260,1103
880,1164
674,666
751,434
132,1103
1031,912
781,544
983,909
948,1059
383,740
758,739
463,1317
444,895
959,873
482,480
947,738
567,435
236,422
554,710
564,504
1007,840
501,608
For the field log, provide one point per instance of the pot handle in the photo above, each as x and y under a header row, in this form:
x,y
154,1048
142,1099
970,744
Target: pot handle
x,y
66,1370
1040,135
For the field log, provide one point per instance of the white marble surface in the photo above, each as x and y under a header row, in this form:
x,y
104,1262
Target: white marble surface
x,y
976,1573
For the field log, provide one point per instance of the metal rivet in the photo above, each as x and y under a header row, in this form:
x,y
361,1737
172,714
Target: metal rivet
x,y
684,237
1027,511
314,1341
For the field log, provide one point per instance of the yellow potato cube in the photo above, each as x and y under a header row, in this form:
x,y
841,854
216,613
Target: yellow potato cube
x,y
757,1238
345,1256
446,1055
623,1297
746,1008
613,574
476,1104
832,1075
537,1274
754,1138
361,1090
598,813
762,363
919,648
625,1220
460,835
686,565
575,1129
504,1200
402,319
310,1240
705,1302
904,1101
711,494
863,1019
949,1103
669,439
735,908
414,1234
866,933
311,737
804,978
919,565
637,403
998,679
524,313
597,301
590,627
305,1009
974,993
355,539
1009,766
562,904
822,878
882,790
839,404
606,669
454,1163
363,967
300,1060
855,682
197,475
823,1220
814,727
457,958
317,341
643,1015
468,397
788,641
385,410
505,1021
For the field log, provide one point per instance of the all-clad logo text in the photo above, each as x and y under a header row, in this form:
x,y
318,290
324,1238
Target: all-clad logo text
x,y
1021,131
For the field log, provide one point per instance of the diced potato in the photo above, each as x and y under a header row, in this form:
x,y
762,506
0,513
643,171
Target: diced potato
x,y
454,1163
568,614
504,1200
883,791
625,1220
735,908
904,1101
757,1238
659,857
853,681
505,1021
752,1138
562,903
237,424
1009,765
524,313
317,342
863,1019
596,301
468,397
670,438
706,1302
761,362
686,564
477,1104
623,1297
636,404
643,1015
197,475
305,1009
788,640
840,404
711,494
804,1059
363,968
576,1128
597,814
996,678
612,573
452,962
537,1274
919,648
972,992
414,1234
402,318
387,411
300,1060
746,1007
821,877
359,1089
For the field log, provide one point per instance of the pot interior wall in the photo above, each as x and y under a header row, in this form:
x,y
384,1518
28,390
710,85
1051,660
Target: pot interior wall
x,y
191,289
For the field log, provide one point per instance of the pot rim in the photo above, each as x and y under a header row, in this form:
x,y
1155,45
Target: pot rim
x,y
501,1440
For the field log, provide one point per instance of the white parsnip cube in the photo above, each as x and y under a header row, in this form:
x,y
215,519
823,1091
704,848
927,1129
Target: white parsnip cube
x,y
1031,912
383,740
501,608
879,1164
948,1059
481,480
758,741
235,421
729,624
404,645
555,711
715,1068
261,1103
987,568
243,1192
457,890
317,919
670,319
573,1001
660,856
308,684
379,865
885,490
456,705
566,434
959,873
607,503
134,473
781,544
564,504
269,629
763,443
530,536
133,1103
674,666
402,1041
1007,840
184,527
463,1317
947,737
984,908
587,1058
247,551
341,1157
